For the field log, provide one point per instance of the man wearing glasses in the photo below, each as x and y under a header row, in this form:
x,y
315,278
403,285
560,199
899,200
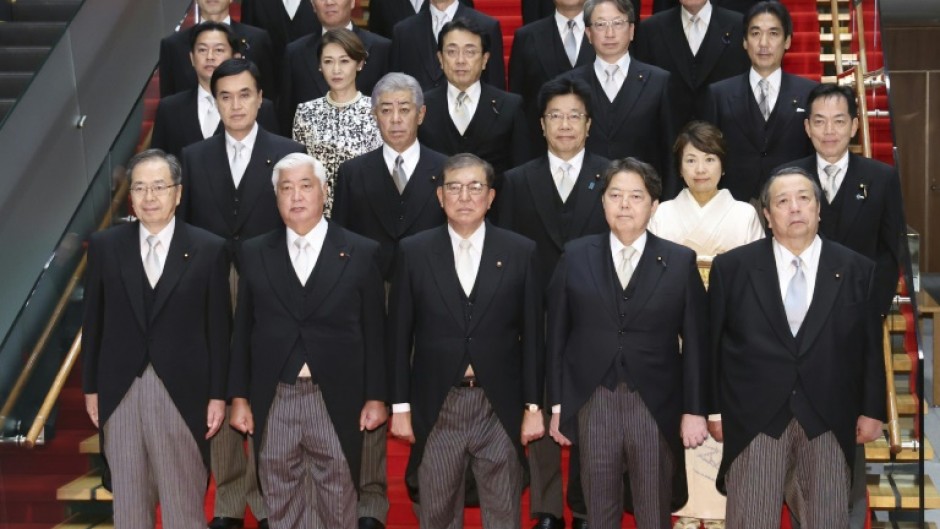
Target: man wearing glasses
x,y
633,116
465,336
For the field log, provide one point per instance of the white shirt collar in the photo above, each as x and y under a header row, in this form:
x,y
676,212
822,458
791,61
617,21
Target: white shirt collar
x,y
349,26
448,11
248,141
227,20
202,94
410,157
842,163
639,245
783,259
165,235
774,79
315,237
705,15
562,22
600,66
473,92
576,162
476,238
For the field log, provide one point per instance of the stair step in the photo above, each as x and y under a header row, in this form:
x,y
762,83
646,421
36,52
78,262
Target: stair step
x,y
22,58
831,57
907,404
902,363
877,450
85,488
87,521
902,525
881,494
843,37
897,324
30,33
826,18
45,10
12,84
92,445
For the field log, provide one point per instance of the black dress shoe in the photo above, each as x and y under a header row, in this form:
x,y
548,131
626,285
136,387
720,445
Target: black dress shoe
x,y
367,522
221,522
263,523
579,523
549,522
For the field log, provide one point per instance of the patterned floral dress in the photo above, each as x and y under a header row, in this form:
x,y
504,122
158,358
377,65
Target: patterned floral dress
x,y
335,132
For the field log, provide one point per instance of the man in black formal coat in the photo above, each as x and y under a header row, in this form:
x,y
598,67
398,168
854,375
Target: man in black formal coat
x,y
176,73
552,200
631,99
698,43
466,115
367,198
308,371
535,10
384,14
760,112
191,116
415,45
798,371
465,335
284,20
543,50
627,355
155,347
302,80
741,6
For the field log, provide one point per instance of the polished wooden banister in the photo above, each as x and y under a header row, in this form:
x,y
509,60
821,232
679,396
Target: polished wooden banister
x,y
49,402
836,30
894,429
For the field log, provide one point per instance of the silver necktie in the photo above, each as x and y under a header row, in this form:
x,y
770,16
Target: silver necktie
x,y
763,102
238,162
832,171
565,181
465,266
398,175
696,35
462,113
625,269
610,83
571,46
302,262
210,121
795,302
152,265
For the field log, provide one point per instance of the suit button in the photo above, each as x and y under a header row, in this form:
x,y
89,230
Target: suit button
x,y
469,339
763,154
620,332
793,392
401,217
235,212
236,200
626,298
623,315
236,236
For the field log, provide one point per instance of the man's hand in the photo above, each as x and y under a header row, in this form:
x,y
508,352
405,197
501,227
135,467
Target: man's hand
x,y
241,418
373,415
714,428
401,426
867,429
215,414
693,430
91,406
533,427
555,433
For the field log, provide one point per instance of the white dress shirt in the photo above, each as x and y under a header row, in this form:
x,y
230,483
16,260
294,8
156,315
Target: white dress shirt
x,y
315,237
600,70
704,16
204,103
165,236
842,164
409,158
448,14
562,22
249,145
773,90
227,20
785,269
348,26
555,163
473,98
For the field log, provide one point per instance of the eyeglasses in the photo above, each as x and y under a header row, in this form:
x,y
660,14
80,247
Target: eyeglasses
x,y
468,53
574,117
456,188
616,24
159,189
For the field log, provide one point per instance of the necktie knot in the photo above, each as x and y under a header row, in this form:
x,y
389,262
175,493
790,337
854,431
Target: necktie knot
x,y
462,99
465,244
611,71
831,170
153,241
301,243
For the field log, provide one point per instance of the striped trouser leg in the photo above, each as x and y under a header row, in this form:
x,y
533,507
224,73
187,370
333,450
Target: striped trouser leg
x,y
373,482
545,489
235,471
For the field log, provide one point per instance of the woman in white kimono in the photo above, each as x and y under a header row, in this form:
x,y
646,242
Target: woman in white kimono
x,y
710,221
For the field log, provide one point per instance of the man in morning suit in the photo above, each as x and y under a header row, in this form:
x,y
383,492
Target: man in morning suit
x,y
698,43
384,14
155,347
191,116
302,79
284,20
542,51
627,355
862,209
465,115
415,46
631,99
308,372
176,72
760,112
390,193
227,191
552,200
465,335
798,373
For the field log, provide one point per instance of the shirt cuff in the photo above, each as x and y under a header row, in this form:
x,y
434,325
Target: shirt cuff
x,y
401,407
556,408
714,417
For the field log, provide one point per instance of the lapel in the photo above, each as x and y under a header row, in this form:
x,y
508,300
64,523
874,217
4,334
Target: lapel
x,y
443,268
678,44
132,271
588,197
853,181
784,110
738,103
326,274
490,274
600,263
550,50
437,120
650,269
280,273
220,178
630,92
189,116
178,258
428,51
256,181
488,108
312,65
716,41
767,286
419,193
828,282
381,191
542,186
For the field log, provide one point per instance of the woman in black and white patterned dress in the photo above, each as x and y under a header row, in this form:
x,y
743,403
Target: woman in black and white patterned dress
x,y
340,125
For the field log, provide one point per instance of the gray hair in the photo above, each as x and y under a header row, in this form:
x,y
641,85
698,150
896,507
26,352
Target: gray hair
x,y
176,171
624,6
397,82
788,171
298,159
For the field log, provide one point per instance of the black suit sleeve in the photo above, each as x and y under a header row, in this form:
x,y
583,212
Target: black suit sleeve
x,y
695,357
505,203
874,385
517,62
717,314
373,328
267,117
186,161
668,130
239,373
159,138
495,73
167,81
400,330
533,346
261,52
890,244
219,320
92,317
341,193
521,148
557,325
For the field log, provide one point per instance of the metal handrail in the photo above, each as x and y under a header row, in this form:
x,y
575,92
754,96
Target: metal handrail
x,y
894,429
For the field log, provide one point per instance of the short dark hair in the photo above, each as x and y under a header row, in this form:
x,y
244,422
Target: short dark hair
x,y
826,90
349,41
464,160
788,171
651,180
234,67
769,7
176,170
563,86
208,25
624,6
465,24
703,136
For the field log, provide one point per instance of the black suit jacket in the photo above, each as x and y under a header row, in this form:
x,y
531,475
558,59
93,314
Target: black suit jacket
x,y
384,14
835,359
755,148
639,122
271,16
342,330
366,201
176,124
414,50
176,70
660,40
741,6
186,337
431,342
526,204
538,55
497,131
302,80
868,217
210,199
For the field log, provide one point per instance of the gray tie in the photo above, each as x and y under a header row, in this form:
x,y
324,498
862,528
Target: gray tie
x,y
565,181
439,21
465,266
210,121
152,265
832,171
238,162
795,302
398,174
763,102
303,262
696,34
610,83
571,46
625,269
462,113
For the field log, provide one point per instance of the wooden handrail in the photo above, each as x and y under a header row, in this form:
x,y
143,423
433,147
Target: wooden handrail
x,y
836,30
40,421
894,429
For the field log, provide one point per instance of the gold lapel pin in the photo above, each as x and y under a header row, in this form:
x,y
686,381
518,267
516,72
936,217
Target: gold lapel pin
x,y
499,264
838,275
342,255
185,256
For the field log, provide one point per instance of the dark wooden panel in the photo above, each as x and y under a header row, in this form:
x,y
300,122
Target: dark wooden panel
x,y
912,48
